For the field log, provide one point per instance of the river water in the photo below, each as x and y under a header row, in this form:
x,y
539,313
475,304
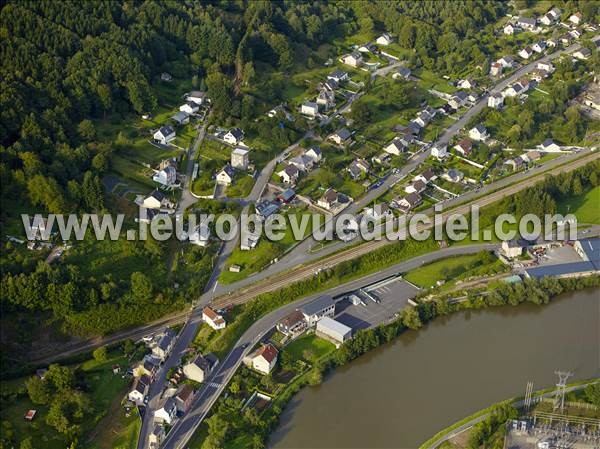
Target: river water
x,y
403,393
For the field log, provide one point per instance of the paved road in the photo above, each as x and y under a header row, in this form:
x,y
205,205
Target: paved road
x,y
184,428
187,199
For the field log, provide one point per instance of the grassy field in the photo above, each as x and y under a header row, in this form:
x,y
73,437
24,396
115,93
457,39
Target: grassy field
x,y
317,346
585,208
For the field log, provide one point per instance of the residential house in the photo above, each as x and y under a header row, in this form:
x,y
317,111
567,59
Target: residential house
x,y
527,23
539,46
395,147
583,53
339,76
513,91
591,96
495,101
576,18
538,75
197,97
303,162
266,208
459,99
329,199
506,61
547,19
317,309
548,146
333,330
225,176
184,397
310,109
191,107
200,236
164,345
417,186
409,202
379,211
526,52
167,176
384,39
165,134
422,119
439,151
533,156
139,390
263,359
453,175
240,158
466,84
464,146
293,324
234,136
353,59
402,72
509,29
315,154
181,118
369,47
213,319
145,368
330,85
551,43
566,39
382,158
289,175
164,76
479,133
358,168
496,69
156,200
286,196
547,66
341,137
156,437
200,367
427,176
326,98
167,412
516,163
575,34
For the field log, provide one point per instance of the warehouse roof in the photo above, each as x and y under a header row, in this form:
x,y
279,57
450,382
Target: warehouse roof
x,y
333,325
560,269
319,304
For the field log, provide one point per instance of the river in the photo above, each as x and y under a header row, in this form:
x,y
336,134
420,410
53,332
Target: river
x,y
403,393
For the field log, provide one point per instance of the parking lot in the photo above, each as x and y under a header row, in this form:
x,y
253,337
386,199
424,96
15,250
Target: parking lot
x,y
379,303
559,254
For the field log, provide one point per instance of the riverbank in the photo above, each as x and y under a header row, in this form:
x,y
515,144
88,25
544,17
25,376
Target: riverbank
x,y
412,318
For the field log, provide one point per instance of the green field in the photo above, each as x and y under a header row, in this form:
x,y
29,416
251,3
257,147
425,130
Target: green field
x,y
317,346
585,207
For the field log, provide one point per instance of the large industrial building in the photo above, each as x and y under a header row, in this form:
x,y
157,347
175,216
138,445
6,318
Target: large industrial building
x,y
588,250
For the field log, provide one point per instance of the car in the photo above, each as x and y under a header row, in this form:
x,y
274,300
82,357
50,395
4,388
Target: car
x,y
146,400
245,345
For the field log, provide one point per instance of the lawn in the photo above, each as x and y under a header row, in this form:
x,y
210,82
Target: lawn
x,y
241,187
585,207
318,346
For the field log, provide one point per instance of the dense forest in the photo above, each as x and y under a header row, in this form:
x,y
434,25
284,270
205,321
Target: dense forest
x,y
66,66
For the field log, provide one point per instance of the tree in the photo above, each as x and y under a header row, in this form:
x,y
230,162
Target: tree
x,y
141,286
411,318
37,390
27,443
87,130
100,354
128,346
60,377
220,91
361,112
592,394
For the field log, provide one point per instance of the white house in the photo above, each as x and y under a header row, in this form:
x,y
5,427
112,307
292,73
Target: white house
x,y
509,29
379,211
479,133
200,236
464,147
289,175
302,162
506,61
167,412
353,59
165,134
156,200
439,151
402,72
317,309
164,345
409,202
384,39
263,359
200,367
583,53
326,98
496,69
395,147
234,136
547,66
338,76
310,109
495,101
240,158
190,107
576,18
167,176
139,390
225,176
511,249
328,200
315,154
453,175
549,146
527,23
466,84
213,319
197,97
539,46
526,52
417,186
427,176
341,137
156,437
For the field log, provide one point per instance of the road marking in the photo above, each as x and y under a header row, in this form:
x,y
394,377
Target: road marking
x,y
213,384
